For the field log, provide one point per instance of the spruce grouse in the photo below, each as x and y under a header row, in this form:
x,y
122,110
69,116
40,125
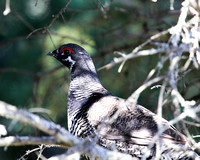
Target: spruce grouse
x,y
95,112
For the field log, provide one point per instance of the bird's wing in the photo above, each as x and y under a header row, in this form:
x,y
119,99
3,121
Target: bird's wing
x,y
170,134
115,121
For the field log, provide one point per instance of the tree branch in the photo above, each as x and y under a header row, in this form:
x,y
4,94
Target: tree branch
x,y
134,96
60,135
141,53
11,112
7,9
28,140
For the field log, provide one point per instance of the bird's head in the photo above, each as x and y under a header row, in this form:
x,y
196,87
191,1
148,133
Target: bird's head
x,y
69,54
73,56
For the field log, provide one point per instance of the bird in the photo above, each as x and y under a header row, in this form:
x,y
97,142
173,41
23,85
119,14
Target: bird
x,y
111,121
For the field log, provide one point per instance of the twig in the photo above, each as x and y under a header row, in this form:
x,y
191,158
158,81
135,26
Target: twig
x,y
36,2
36,30
141,53
151,39
51,38
192,123
187,113
28,140
171,4
101,4
57,15
134,96
39,155
45,29
26,23
7,9
132,55
29,152
159,113
172,122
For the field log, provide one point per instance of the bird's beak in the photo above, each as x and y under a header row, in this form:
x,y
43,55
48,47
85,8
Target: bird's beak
x,y
53,53
50,53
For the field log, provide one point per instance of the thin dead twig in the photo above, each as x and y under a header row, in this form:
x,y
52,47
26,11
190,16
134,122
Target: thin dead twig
x,y
7,8
28,140
57,16
159,113
130,56
134,96
135,52
46,29
36,30
26,23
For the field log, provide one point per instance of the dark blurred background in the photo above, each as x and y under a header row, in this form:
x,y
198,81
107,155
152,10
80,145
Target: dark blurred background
x,y
120,26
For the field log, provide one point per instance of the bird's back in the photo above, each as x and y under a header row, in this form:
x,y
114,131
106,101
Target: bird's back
x,y
128,129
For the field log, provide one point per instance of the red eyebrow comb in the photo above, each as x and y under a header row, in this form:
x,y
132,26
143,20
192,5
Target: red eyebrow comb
x,y
69,49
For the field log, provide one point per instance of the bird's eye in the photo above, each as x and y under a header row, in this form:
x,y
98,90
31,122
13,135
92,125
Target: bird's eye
x,y
67,51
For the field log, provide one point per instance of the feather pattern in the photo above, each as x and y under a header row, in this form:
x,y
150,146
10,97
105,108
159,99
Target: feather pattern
x,y
95,113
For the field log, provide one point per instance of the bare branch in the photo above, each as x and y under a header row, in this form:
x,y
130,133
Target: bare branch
x,y
7,9
61,135
28,140
57,15
36,2
141,53
46,29
134,97
36,30
26,23
10,111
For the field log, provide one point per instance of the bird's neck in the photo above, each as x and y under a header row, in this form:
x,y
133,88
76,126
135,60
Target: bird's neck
x,y
83,84
84,80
